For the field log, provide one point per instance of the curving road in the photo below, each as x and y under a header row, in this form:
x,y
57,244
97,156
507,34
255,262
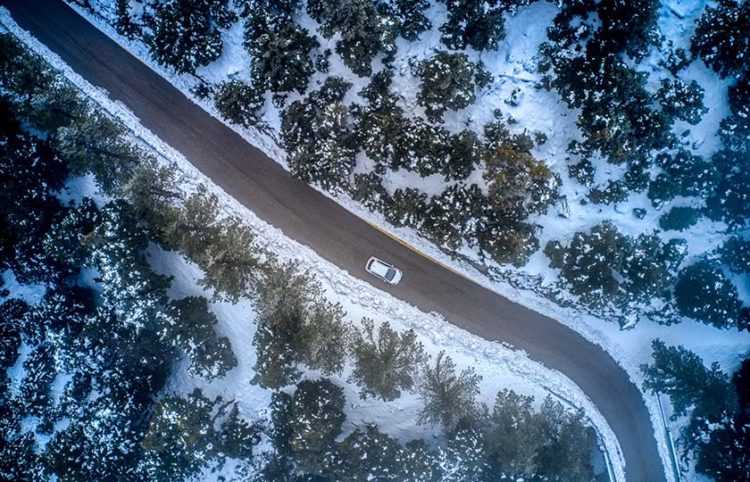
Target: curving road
x,y
309,217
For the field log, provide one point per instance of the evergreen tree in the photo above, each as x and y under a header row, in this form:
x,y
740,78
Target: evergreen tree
x,y
720,37
464,457
193,227
451,217
316,416
679,218
12,312
295,325
368,454
151,191
447,83
681,100
231,263
735,129
568,443
363,30
681,375
385,363
237,437
185,34
409,16
515,435
684,174
407,207
735,252
627,26
190,326
98,145
124,22
180,439
703,292
448,396
318,137
730,199
238,102
518,184
419,463
724,456
281,49
592,262
474,23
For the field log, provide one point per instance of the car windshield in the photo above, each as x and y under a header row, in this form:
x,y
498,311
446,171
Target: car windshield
x,y
390,274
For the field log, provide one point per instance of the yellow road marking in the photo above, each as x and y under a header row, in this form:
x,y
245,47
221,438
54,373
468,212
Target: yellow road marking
x,y
417,251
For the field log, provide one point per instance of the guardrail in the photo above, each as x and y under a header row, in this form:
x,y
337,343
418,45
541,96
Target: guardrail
x,y
670,441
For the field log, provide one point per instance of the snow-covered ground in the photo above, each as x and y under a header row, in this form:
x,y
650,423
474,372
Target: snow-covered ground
x,y
501,366
514,67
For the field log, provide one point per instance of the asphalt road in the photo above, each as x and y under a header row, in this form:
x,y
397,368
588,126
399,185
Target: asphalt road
x,y
309,217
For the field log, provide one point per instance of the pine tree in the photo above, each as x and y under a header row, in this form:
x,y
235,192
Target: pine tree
x,y
319,138
729,201
407,207
317,414
281,49
447,82
464,457
185,34
409,16
474,23
231,263
419,463
151,191
296,324
720,37
592,263
566,452
681,375
735,252
124,22
515,435
518,184
98,145
448,396
385,363
368,454
364,31
679,218
238,102
238,437
451,217
180,439
681,100
190,326
703,292
193,227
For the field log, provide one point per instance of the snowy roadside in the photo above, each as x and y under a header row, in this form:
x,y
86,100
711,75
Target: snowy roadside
x,y
359,298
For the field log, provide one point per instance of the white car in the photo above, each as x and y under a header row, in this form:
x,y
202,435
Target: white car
x,y
383,270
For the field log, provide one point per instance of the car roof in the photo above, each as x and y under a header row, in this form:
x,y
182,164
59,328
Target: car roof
x,y
378,267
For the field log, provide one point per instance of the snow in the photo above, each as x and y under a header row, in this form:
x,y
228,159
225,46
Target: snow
x,y
514,68
508,367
